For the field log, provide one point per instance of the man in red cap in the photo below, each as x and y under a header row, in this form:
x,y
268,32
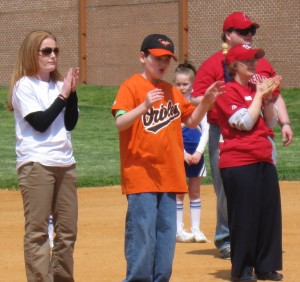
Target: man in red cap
x,y
238,28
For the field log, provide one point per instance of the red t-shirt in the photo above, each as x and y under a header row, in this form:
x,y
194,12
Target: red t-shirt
x,y
209,72
151,150
241,147
212,70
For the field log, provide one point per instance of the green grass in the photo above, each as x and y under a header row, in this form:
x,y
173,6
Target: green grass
x,y
288,166
95,140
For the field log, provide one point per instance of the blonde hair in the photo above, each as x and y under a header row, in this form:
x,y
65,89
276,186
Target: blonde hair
x,y
27,61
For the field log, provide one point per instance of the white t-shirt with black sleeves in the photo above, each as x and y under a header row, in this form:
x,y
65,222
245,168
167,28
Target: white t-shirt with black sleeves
x,y
52,147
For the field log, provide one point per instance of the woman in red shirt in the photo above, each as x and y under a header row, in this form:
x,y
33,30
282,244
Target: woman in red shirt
x,y
246,112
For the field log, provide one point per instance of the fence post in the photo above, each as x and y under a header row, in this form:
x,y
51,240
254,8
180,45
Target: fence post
x,y
183,30
82,41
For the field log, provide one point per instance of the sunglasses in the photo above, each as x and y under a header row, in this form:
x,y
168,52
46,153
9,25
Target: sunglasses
x,y
47,51
245,31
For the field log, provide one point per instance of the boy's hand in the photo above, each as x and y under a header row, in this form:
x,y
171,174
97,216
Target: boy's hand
x,y
211,93
153,96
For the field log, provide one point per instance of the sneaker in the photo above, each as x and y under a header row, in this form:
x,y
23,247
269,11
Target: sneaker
x,y
244,277
273,276
51,243
199,237
225,253
184,237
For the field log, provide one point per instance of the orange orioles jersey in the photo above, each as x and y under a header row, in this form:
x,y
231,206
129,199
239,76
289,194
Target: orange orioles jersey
x,y
151,150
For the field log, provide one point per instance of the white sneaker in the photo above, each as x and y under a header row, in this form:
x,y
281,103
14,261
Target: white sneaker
x,y
50,231
184,237
51,242
199,237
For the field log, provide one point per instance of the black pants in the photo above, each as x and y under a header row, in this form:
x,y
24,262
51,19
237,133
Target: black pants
x,y
254,216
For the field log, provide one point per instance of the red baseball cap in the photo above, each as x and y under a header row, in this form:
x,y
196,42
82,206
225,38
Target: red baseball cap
x,y
243,53
238,20
158,45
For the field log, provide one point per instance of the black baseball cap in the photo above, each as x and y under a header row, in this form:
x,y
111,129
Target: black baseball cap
x,y
158,45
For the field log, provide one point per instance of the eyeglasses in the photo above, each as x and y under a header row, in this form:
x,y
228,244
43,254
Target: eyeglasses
x,y
47,51
245,31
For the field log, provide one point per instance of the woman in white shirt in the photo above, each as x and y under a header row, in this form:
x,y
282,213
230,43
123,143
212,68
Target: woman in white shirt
x,y
45,107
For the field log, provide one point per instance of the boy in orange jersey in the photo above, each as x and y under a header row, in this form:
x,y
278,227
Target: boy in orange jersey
x,y
149,113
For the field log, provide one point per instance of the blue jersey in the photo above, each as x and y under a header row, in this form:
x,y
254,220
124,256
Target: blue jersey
x,y
191,139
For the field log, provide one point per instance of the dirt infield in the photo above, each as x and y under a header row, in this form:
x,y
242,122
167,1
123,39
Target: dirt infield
x,y
99,252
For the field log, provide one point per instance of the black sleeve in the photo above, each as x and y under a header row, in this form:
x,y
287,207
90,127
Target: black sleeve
x,y
41,120
71,113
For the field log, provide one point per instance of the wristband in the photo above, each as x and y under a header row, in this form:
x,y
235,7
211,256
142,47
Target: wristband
x,y
120,113
285,123
62,97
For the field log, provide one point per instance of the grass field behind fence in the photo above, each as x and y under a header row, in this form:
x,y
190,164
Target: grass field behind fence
x,y
95,140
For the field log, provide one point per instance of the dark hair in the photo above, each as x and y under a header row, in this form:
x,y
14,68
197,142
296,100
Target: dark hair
x,y
146,52
223,35
186,67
